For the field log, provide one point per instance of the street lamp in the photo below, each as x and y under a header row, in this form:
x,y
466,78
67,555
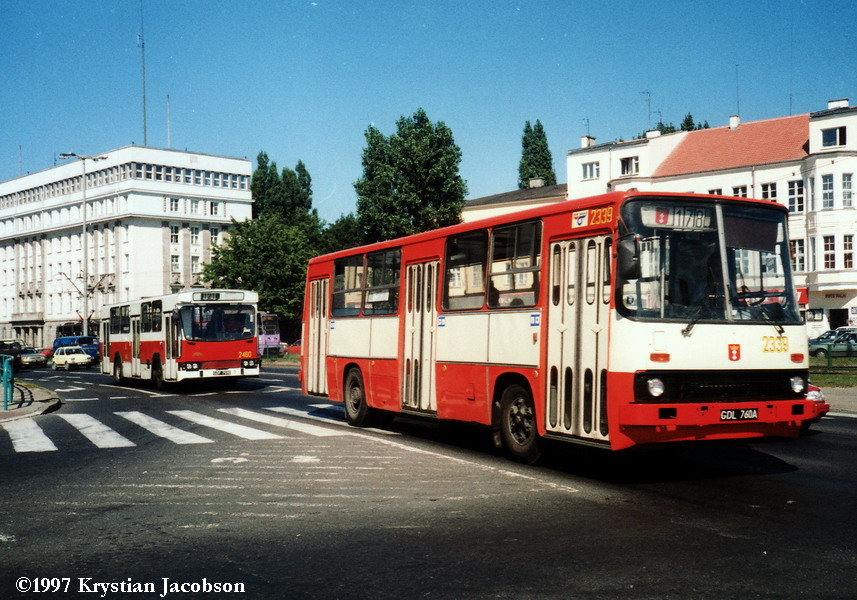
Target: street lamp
x,y
84,241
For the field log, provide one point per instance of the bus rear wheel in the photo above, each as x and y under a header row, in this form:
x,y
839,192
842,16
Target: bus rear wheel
x,y
518,429
117,371
357,412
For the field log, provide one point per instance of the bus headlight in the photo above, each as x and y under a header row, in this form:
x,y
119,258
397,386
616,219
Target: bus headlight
x,y
655,387
248,364
798,384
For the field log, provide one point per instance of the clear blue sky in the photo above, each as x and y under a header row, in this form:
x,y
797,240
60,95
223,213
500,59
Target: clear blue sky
x,y
302,80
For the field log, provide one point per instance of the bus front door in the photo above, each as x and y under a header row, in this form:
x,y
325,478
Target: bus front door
x,y
418,376
578,313
135,346
315,345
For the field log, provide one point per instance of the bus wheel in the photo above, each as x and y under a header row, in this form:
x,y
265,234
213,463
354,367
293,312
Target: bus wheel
x,y
356,410
518,425
158,377
117,371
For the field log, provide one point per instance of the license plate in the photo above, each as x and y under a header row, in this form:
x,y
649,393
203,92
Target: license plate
x,y
739,414
222,372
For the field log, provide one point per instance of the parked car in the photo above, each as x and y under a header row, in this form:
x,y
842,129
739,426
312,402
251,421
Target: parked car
x,y
11,348
295,347
90,344
819,407
844,343
831,334
30,357
71,357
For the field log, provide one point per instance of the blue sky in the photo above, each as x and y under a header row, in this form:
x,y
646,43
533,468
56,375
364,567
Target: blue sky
x,y
302,80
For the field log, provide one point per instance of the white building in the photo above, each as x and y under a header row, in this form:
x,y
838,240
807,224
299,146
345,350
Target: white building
x,y
150,216
806,162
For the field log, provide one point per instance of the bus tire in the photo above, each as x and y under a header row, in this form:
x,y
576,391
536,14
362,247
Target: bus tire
x,y
518,429
117,371
158,376
357,412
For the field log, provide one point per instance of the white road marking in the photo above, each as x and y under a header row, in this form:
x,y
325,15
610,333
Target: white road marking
x,y
331,420
27,436
242,431
161,429
280,422
97,432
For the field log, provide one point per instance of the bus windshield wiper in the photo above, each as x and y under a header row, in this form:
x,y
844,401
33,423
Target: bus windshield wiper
x,y
697,317
777,322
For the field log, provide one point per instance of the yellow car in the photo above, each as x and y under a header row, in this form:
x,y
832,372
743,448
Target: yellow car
x,y
71,357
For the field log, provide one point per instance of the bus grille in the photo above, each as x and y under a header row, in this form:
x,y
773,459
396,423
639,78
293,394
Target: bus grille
x,y
718,386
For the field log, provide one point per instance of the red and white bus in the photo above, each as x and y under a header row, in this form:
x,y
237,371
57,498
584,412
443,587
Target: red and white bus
x,y
623,319
190,335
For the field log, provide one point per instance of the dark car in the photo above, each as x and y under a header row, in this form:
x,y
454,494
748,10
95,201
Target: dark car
x,y
11,348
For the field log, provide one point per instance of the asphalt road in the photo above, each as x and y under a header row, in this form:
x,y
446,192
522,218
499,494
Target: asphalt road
x,y
130,486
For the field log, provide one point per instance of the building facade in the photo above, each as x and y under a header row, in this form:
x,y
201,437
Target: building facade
x,y
144,221
806,162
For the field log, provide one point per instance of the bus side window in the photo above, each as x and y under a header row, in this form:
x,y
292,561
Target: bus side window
x,y
464,271
515,263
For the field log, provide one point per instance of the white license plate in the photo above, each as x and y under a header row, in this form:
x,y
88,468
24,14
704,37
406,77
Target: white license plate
x,y
222,372
739,414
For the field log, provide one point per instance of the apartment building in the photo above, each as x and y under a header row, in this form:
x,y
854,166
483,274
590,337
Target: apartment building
x,y
141,224
806,162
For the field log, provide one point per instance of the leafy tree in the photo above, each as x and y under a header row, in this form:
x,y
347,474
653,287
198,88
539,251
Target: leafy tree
x,y
261,183
410,180
268,255
343,233
536,159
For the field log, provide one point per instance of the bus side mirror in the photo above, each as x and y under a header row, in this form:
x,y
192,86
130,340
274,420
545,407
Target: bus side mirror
x,y
628,258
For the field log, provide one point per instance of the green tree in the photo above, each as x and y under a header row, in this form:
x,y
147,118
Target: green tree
x,y
268,255
261,183
343,233
410,180
536,159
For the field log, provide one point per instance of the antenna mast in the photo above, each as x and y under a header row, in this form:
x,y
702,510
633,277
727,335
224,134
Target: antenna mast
x,y
142,42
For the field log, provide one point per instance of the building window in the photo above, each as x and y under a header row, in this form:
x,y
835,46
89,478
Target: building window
x,y
194,207
829,247
174,234
174,205
174,263
826,191
214,208
716,192
630,165
796,196
769,191
848,251
833,137
798,256
847,190
214,232
194,236
591,170
195,265
740,191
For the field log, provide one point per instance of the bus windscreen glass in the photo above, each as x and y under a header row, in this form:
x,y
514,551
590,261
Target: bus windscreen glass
x,y
218,322
709,262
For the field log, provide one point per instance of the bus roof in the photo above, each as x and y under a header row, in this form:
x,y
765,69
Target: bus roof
x,y
533,213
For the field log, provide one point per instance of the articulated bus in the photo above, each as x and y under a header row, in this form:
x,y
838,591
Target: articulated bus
x,y
619,320
188,336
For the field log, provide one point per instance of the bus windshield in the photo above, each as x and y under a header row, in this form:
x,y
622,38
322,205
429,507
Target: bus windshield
x,y
707,262
217,322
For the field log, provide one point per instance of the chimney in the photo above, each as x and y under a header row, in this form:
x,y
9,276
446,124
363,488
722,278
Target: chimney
x,y
587,141
537,182
841,103
653,133
734,121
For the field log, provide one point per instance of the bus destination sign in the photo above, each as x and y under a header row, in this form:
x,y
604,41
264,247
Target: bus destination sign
x,y
688,218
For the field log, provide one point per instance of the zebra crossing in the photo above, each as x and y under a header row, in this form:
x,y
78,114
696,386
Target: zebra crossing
x,y
27,435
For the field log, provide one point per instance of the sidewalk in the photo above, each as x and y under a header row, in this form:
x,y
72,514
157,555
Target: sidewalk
x,y
29,401
841,400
